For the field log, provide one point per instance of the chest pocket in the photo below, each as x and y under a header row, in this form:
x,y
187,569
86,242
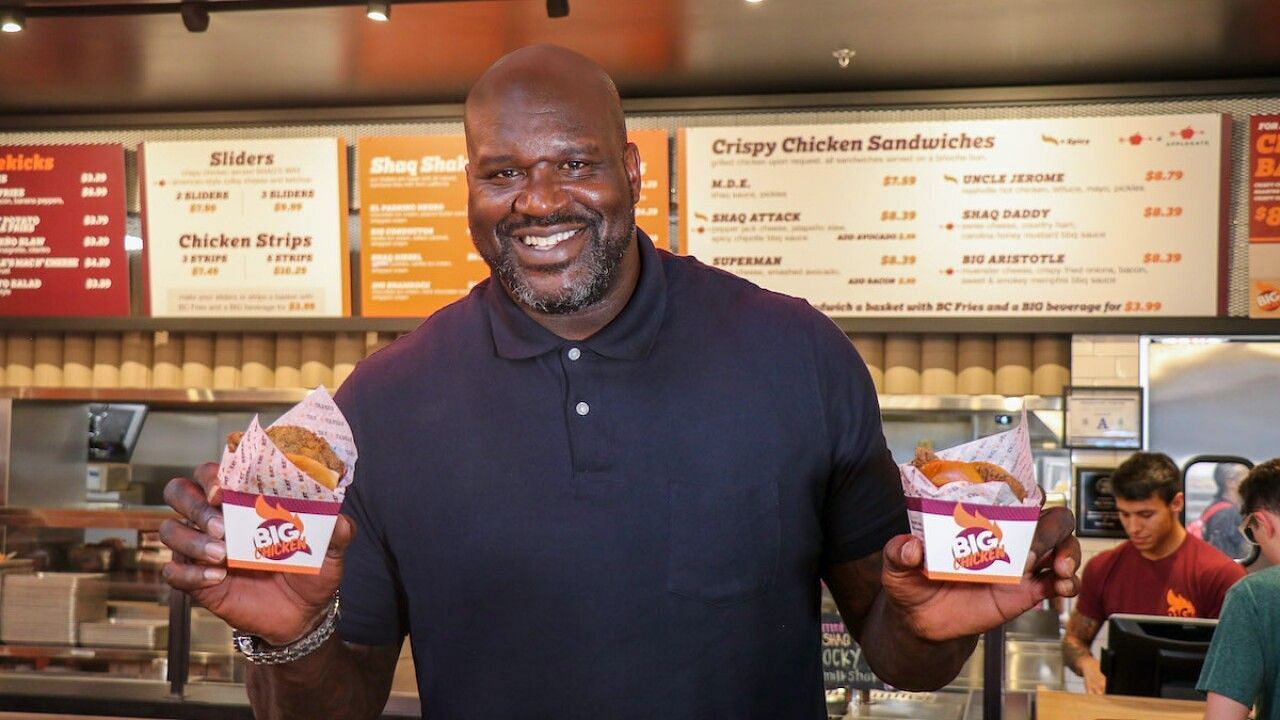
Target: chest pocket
x,y
723,543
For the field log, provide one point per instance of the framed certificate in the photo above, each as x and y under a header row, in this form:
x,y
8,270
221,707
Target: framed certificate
x,y
1095,505
1104,418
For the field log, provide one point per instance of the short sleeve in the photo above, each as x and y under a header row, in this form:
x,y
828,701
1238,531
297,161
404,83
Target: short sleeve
x,y
1089,601
1234,666
864,506
373,607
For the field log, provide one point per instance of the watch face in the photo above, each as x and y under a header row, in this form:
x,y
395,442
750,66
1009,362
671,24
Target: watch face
x,y
246,644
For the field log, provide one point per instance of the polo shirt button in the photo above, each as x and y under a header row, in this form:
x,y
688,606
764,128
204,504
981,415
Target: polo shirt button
x,y
583,408
574,353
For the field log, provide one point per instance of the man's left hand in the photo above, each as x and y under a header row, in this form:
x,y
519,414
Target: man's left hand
x,y
937,610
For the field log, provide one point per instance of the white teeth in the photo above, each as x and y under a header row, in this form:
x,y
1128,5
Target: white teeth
x,y
550,240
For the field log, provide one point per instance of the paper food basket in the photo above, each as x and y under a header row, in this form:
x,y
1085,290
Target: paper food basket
x,y
277,518
977,532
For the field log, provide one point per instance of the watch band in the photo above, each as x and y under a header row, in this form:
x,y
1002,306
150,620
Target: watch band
x,y
260,652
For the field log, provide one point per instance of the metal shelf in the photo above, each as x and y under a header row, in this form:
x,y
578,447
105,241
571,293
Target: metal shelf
x,y
67,652
968,403
160,397
85,517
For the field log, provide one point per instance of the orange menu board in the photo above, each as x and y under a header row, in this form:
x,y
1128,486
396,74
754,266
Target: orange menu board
x,y
415,251
416,254
1264,216
653,211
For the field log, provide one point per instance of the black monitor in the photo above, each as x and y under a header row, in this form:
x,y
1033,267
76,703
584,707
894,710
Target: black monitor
x,y
1156,656
113,431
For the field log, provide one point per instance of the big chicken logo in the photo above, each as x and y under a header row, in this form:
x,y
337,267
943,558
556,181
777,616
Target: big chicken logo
x,y
1268,298
281,533
1179,606
980,542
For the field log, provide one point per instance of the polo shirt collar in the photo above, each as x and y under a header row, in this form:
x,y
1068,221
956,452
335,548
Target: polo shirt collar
x,y
629,336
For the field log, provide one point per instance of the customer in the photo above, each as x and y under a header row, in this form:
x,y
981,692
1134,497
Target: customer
x,y
1219,524
608,481
1159,570
1243,666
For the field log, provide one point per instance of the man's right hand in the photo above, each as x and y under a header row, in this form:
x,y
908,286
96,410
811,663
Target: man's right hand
x,y
278,607
1095,683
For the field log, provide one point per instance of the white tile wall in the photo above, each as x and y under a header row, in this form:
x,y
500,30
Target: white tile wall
x,y
1102,360
1105,360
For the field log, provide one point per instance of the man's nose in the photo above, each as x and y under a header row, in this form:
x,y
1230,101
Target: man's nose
x,y
542,195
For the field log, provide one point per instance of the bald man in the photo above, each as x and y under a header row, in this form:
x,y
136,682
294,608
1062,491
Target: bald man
x,y
604,484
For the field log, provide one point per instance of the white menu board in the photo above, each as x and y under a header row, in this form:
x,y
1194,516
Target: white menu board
x,y
1044,217
240,228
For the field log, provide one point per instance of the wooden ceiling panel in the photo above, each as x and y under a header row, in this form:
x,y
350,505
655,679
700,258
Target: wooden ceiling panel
x,y
431,52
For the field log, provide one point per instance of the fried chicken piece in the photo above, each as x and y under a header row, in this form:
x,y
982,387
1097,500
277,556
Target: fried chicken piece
x,y
305,449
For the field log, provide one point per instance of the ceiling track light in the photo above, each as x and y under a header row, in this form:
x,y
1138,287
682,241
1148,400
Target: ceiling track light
x,y
195,15
378,10
557,8
12,20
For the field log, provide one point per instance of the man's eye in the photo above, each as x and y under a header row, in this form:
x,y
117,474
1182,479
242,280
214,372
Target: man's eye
x,y
507,174
575,165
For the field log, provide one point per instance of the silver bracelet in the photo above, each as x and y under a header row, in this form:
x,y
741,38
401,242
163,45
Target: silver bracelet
x,y
260,652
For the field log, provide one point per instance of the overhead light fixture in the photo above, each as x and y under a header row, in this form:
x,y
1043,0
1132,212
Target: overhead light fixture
x,y
755,2
195,15
13,20
379,10
557,8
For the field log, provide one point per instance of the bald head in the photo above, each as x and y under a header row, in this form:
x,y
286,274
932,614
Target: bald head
x,y
547,77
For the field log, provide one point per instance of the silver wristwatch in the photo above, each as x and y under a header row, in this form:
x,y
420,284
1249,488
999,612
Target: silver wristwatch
x,y
258,651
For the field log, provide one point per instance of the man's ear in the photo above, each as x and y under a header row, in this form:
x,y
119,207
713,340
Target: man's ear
x,y
1265,525
1177,502
631,163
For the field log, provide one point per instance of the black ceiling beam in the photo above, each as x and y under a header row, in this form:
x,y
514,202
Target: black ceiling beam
x,y
172,8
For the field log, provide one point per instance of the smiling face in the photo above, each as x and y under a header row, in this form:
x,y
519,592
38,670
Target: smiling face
x,y
552,182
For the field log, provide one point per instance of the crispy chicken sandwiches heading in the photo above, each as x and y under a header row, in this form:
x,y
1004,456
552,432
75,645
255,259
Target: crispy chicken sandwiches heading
x,y
309,452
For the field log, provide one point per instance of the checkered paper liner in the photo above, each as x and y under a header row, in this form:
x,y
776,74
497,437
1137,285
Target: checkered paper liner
x,y
1010,450
258,466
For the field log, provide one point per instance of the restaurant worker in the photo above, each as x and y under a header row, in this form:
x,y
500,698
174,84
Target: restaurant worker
x,y
607,482
1160,570
1242,670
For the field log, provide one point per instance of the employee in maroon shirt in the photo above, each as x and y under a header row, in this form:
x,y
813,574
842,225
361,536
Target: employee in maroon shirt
x,y
1159,570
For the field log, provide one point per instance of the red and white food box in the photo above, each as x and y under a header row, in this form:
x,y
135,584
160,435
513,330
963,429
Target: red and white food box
x,y
977,532
277,518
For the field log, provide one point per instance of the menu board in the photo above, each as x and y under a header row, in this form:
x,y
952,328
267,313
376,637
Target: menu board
x,y
1264,216
653,210
239,228
843,665
62,211
1045,217
416,254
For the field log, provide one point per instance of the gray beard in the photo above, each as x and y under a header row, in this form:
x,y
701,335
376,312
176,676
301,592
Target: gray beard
x,y
601,258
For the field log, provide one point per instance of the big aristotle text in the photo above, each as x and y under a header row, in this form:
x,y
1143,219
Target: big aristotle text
x,y
833,144
287,241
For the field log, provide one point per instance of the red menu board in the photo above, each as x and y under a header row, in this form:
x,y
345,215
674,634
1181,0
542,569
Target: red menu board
x,y
62,230
1264,216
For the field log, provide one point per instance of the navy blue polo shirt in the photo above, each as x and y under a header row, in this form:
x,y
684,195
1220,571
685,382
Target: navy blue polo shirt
x,y
629,526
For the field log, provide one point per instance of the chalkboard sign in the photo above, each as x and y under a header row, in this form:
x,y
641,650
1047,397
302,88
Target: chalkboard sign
x,y
1096,513
842,663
